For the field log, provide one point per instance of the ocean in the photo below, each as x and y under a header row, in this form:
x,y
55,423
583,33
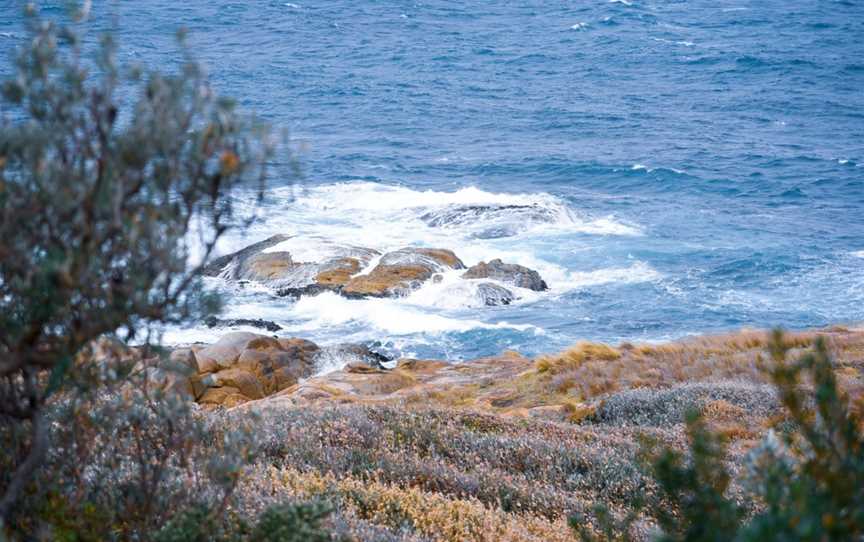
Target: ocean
x,y
670,168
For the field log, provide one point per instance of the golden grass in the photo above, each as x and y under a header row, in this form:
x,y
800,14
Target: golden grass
x,y
432,514
576,356
576,412
589,371
461,396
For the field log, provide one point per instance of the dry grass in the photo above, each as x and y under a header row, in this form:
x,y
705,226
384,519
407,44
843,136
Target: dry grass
x,y
591,373
575,357
591,370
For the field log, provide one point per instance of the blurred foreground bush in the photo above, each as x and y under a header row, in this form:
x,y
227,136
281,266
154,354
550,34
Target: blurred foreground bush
x,y
806,485
115,185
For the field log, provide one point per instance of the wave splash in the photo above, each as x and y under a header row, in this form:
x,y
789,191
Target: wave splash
x,y
469,212
333,220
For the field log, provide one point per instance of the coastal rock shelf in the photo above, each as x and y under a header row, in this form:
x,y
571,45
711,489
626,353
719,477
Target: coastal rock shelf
x,y
655,384
358,272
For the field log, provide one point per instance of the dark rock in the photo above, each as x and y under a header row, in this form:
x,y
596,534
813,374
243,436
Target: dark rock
x,y
233,322
494,295
310,290
516,275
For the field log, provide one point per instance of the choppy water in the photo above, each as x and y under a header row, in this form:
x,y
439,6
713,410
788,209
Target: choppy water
x,y
688,166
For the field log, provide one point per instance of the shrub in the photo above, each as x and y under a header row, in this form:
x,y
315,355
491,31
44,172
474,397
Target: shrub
x,y
293,523
693,501
115,185
197,524
285,522
819,494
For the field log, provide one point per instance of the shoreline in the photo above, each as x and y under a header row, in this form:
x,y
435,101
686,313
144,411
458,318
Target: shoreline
x,y
255,370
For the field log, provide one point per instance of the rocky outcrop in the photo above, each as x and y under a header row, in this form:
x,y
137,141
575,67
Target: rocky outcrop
x,y
396,273
517,275
258,372
402,271
347,354
244,366
236,259
411,380
278,268
264,267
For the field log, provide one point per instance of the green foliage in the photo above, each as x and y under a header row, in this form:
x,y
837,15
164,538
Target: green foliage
x,y
279,523
814,489
293,523
607,526
124,460
287,522
810,487
199,523
693,503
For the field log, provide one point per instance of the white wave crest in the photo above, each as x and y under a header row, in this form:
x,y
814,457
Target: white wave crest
x,y
636,273
385,316
387,217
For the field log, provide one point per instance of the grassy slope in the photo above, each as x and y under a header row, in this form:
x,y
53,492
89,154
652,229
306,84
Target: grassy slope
x,y
508,448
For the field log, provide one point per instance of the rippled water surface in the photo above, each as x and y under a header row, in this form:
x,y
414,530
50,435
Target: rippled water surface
x,y
669,167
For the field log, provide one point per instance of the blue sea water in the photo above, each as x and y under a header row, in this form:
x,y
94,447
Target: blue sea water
x,y
698,166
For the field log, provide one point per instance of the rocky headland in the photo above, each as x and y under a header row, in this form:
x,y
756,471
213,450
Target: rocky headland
x,y
499,448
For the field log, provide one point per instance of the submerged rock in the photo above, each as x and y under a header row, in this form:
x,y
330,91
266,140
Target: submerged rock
x,y
401,271
514,274
263,267
494,295
491,221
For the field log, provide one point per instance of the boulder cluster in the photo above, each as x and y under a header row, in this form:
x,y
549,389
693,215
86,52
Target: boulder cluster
x,y
244,366
358,272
